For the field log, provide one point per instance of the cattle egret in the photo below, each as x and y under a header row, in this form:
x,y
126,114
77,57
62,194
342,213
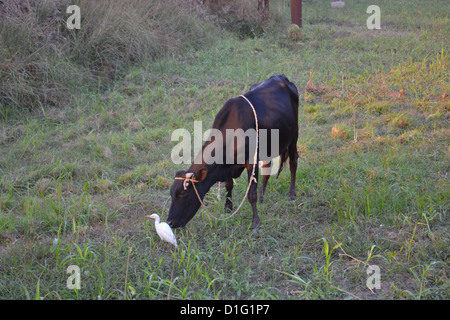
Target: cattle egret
x,y
163,229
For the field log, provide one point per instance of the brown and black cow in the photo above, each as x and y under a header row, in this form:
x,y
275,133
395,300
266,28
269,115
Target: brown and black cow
x,y
275,101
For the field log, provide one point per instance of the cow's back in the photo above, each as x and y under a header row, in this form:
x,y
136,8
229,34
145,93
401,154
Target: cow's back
x,y
276,104
275,99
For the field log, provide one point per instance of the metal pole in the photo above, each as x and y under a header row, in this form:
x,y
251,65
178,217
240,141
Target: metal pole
x,y
296,12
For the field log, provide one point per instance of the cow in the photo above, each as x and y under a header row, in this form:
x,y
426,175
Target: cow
x,y
275,102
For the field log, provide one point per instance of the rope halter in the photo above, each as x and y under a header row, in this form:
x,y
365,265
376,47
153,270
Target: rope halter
x,y
186,179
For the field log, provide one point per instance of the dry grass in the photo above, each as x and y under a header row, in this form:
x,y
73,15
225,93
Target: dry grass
x,y
242,16
42,61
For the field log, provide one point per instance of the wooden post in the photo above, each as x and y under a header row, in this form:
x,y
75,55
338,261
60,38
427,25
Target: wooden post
x,y
296,12
263,6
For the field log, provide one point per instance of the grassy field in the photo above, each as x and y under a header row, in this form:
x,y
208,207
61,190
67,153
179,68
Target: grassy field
x,y
76,180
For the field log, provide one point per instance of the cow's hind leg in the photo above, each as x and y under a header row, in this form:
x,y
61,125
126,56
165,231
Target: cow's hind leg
x,y
265,177
293,158
262,189
253,197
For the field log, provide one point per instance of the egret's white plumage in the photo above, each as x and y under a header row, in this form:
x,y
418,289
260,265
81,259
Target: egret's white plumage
x,y
163,229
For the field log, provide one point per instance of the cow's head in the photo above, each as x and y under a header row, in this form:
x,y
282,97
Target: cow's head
x,y
185,201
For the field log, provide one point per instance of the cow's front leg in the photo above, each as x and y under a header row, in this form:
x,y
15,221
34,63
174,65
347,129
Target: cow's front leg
x,y
253,197
228,202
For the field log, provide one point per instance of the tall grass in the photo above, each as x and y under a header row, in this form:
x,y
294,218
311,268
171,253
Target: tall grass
x,y
242,16
42,61
119,33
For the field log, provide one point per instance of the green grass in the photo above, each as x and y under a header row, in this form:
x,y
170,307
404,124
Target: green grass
x,y
372,183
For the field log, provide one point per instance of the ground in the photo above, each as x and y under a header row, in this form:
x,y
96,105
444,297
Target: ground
x,y
372,182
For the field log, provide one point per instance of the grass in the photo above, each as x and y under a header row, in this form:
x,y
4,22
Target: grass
x,y
76,180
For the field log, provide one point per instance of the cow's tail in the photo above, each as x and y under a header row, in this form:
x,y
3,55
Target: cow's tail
x,y
283,157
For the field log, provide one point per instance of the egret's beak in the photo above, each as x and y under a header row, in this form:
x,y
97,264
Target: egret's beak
x,y
149,217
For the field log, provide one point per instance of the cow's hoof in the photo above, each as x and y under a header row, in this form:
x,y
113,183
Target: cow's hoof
x,y
256,228
256,225
292,196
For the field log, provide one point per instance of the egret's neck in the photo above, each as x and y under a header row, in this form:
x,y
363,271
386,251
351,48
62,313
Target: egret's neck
x,y
157,220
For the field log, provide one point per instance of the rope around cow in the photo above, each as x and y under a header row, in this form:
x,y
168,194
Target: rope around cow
x,y
189,176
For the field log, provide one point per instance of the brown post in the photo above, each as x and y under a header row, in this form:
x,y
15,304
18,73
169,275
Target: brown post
x,y
296,12
263,6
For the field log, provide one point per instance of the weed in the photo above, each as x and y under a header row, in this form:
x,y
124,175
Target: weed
x,y
340,131
327,269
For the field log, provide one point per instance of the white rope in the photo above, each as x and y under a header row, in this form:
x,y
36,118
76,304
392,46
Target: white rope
x,y
188,178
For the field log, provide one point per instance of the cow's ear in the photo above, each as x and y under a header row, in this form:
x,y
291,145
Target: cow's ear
x,y
201,175
180,173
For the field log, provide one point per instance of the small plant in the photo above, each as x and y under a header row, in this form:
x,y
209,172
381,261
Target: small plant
x,y
379,107
400,121
42,185
327,270
294,32
319,118
340,131
420,273
162,182
103,185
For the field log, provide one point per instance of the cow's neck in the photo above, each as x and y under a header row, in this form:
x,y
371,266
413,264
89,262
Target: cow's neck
x,y
211,178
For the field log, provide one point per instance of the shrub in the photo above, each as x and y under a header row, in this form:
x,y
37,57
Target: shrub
x,y
400,120
31,71
294,32
239,16
340,131
42,62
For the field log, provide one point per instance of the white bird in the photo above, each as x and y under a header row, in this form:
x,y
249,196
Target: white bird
x,y
163,229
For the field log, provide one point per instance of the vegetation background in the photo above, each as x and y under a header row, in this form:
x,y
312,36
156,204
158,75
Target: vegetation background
x,y
85,123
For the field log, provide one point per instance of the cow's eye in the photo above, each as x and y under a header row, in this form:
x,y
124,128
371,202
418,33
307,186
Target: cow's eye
x,y
181,193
